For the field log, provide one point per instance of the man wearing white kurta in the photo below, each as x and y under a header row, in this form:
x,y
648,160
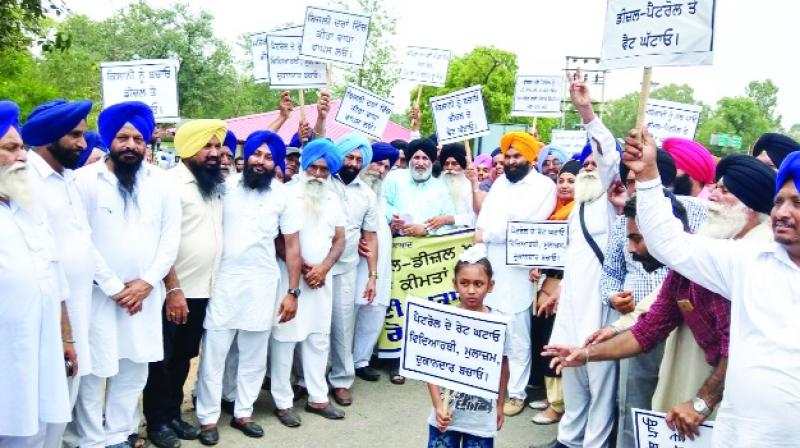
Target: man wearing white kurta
x,y
361,209
135,227
453,160
762,385
35,402
321,244
522,194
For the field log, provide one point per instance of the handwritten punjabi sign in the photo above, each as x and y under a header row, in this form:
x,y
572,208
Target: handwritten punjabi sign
x,y
572,141
426,66
364,111
259,55
669,119
287,70
651,430
541,244
151,81
661,32
459,115
538,96
452,347
335,36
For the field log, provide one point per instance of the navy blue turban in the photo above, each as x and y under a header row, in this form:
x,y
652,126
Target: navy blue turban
x,y
295,140
399,144
52,120
9,117
587,151
496,152
777,146
231,141
455,150
421,144
321,148
790,169
385,151
749,180
113,118
276,147
93,140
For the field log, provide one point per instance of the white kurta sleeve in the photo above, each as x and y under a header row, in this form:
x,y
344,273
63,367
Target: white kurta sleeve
x,y
291,219
104,276
490,220
370,222
608,161
169,242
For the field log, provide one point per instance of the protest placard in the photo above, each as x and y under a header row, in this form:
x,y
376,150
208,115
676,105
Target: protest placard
x,y
421,267
538,96
459,115
572,141
259,52
151,81
537,244
364,111
335,36
669,119
651,430
639,33
454,348
426,66
287,70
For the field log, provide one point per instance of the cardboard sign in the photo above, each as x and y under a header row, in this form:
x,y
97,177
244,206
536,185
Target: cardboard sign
x,y
426,66
287,70
364,111
651,430
572,141
537,244
151,81
669,119
538,96
335,36
459,115
646,34
259,55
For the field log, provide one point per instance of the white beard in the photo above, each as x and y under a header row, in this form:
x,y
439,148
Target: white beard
x,y
724,222
373,181
457,187
314,195
14,185
421,177
588,187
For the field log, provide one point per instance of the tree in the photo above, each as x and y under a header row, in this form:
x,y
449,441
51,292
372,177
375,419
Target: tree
x,y
22,23
736,116
765,95
620,114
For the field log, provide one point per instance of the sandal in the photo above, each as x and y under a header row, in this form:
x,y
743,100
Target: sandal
x,y
396,378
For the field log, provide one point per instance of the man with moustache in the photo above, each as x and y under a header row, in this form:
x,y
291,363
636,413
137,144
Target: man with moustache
x,y
453,159
136,228
321,244
245,298
198,182
361,209
551,159
226,154
695,166
521,194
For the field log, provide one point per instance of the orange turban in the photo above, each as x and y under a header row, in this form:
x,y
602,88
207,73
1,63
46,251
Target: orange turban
x,y
523,142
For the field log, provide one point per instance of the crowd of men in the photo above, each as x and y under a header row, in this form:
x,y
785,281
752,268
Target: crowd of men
x,y
273,262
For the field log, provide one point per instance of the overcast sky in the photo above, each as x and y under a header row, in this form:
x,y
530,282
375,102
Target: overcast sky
x,y
754,40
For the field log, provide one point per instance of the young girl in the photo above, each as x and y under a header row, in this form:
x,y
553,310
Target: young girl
x,y
466,420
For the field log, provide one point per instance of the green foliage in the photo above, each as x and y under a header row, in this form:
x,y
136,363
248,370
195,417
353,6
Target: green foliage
x,y
765,95
21,82
619,115
737,116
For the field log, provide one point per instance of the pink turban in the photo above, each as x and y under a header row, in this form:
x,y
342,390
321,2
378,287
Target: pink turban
x,y
692,158
484,160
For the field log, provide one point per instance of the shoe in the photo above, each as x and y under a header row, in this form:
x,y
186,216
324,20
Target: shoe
x,y
288,418
342,396
227,406
209,437
250,429
367,373
299,392
539,405
396,378
163,437
543,419
134,441
328,412
513,406
184,431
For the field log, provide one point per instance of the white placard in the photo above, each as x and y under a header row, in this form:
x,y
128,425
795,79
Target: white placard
x,y
364,111
537,244
151,81
459,115
287,70
538,96
572,141
259,54
669,119
641,33
452,347
335,36
651,430
426,66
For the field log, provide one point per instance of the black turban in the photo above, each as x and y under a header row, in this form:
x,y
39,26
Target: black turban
x,y
420,144
749,180
572,166
666,168
778,146
456,151
401,145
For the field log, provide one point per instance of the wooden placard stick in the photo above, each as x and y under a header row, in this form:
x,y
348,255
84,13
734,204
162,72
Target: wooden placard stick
x,y
302,100
416,103
644,95
446,395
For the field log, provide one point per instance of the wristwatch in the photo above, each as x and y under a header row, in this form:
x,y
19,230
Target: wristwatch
x,y
701,407
293,291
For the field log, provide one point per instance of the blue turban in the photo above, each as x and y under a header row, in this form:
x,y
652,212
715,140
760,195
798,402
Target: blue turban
x,y
92,141
384,151
231,141
9,117
587,151
52,120
276,147
557,152
496,152
295,140
790,169
113,118
321,147
355,141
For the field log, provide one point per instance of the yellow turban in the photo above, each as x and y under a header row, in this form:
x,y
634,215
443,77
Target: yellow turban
x,y
194,135
522,142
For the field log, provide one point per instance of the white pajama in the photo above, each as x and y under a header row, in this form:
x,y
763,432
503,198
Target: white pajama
x,y
48,436
369,323
519,353
70,437
314,353
343,323
229,376
252,347
590,392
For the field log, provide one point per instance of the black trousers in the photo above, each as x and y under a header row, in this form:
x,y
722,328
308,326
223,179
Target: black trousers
x,y
541,328
163,393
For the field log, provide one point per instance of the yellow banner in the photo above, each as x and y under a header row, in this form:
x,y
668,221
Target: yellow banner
x,y
421,267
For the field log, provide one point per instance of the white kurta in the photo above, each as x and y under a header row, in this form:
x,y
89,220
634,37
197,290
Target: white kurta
x,y
139,241
464,211
761,405
383,285
360,207
245,290
33,382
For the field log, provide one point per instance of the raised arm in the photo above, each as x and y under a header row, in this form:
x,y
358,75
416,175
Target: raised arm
x,y
323,107
285,109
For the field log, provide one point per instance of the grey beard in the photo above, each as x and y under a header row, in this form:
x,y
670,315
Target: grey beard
x,y
421,177
588,187
314,193
456,186
373,181
14,185
724,222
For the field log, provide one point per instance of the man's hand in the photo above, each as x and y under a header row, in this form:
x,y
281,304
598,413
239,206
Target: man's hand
x,y
685,420
177,310
578,90
617,195
72,356
285,106
415,230
414,117
622,301
600,335
471,175
314,275
640,154
534,275
133,295
443,418
369,290
438,222
363,248
304,132
397,224
565,356
288,308
323,105
501,418
546,305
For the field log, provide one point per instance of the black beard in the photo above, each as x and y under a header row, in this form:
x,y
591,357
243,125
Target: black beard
x,y
649,263
256,181
347,174
64,156
208,178
126,170
515,173
682,185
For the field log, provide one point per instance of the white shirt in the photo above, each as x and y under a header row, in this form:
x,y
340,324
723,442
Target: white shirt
x,y
245,290
361,209
138,241
464,211
383,285
761,404
33,381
